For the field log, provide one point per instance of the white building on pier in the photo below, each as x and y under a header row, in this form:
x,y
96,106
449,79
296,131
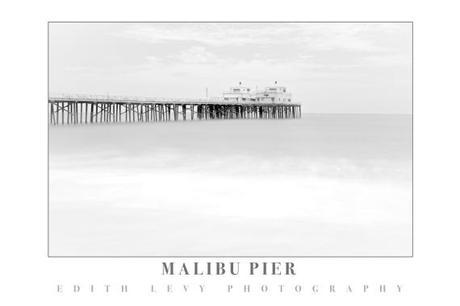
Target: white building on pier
x,y
238,94
272,94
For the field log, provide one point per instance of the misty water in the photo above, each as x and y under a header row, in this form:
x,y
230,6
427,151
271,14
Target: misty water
x,y
335,185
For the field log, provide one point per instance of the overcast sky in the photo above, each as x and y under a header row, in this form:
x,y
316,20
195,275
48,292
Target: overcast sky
x,y
329,68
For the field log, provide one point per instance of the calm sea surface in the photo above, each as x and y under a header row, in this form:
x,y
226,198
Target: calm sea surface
x,y
320,185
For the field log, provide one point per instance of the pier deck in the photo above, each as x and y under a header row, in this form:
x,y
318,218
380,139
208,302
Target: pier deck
x,y
97,109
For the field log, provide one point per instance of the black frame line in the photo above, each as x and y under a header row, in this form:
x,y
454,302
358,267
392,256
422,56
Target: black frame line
x,y
224,256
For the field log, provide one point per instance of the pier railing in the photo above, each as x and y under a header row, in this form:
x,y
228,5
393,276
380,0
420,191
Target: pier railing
x,y
132,99
135,99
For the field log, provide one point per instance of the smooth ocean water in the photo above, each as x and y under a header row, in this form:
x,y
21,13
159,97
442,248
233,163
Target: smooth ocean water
x,y
336,185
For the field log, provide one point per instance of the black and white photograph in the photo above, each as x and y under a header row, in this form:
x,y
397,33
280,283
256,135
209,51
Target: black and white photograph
x,y
230,139
229,153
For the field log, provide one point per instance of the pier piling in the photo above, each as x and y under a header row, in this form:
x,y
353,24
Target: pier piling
x,y
87,111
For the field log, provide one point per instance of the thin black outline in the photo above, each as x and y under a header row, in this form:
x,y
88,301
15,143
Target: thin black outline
x,y
261,22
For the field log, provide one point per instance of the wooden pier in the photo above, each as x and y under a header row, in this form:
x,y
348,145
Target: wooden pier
x,y
89,110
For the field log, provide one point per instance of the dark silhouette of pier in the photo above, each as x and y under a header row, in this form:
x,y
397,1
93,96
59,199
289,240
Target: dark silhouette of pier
x,y
98,109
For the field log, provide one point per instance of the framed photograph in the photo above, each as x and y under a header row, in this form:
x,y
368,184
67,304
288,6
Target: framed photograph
x,y
229,153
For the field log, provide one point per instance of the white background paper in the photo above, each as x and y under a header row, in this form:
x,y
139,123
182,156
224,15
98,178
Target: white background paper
x,y
29,277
